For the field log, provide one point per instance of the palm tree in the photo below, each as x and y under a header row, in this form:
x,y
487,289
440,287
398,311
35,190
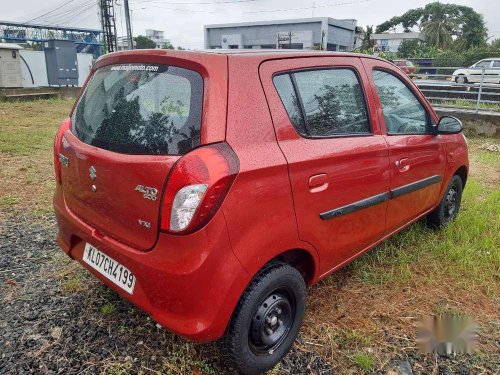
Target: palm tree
x,y
438,25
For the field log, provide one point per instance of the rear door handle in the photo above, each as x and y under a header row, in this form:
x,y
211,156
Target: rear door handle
x,y
318,182
403,164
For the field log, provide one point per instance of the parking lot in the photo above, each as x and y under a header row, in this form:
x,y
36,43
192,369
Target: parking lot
x,y
56,318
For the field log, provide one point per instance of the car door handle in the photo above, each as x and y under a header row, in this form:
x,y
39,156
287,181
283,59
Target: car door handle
x,y
403,164
318,182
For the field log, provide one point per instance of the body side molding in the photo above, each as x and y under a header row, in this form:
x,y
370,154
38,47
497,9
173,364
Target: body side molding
x,y
380,198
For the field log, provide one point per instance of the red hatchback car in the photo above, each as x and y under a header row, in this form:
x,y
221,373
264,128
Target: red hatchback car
x,y
210,188
406,66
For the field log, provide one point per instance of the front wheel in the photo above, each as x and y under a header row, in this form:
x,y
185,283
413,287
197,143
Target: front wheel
x,y
266,320
449,206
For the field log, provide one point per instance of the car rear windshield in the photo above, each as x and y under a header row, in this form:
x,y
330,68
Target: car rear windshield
x,y
141,109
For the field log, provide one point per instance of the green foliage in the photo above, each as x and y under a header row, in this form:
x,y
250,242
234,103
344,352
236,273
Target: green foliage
x,y
445,25
168,45
367,42
476,54
143,42
496,44
461,59
408,47
449,58
364,361
108,309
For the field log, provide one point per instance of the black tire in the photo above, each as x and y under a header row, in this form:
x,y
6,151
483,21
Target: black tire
x,y
449,206
266,320
461,76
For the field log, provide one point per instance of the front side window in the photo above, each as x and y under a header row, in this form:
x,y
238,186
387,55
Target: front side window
x,y
403,113
141,109
483,64
496,64
331,102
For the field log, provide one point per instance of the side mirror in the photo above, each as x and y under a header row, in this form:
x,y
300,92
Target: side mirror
x,y
449,125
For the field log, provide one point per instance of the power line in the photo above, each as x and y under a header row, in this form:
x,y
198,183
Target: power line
x,y
309,7
197,3
184,10
51,11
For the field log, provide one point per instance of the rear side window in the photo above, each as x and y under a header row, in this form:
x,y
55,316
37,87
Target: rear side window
x,y
141,110
284,85
331,102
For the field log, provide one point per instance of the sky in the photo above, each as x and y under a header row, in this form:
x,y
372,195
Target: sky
x,y
183,20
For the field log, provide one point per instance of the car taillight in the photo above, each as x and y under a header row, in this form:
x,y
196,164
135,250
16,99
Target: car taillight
x,y
65,125
197,185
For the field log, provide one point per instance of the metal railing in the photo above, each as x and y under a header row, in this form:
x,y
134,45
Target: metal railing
x,y
481,87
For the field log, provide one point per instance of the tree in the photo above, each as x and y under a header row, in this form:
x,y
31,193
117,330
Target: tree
x,y
367,42
444,25
496,44
143,42
168,45
408,48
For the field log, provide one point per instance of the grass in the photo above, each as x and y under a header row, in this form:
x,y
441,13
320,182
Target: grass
x,y
467,104
359,319
465,250
363,361
108,309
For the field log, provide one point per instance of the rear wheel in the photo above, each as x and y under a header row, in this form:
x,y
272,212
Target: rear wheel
x,y
267,319
461,79
449,206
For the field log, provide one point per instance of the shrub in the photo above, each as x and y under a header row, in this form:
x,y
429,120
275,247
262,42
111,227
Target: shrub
x,y
449,58
474,55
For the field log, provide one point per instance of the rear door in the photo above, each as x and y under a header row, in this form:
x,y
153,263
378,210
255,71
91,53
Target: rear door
x,y
416,155
132,123
337,158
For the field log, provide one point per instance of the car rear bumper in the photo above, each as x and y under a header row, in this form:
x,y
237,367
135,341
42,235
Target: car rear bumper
x,y
188,284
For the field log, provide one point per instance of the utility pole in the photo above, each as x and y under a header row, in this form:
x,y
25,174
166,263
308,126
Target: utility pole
x,y
107,11
129,26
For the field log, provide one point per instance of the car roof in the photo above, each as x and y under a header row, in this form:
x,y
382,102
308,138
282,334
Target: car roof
x,y
265,54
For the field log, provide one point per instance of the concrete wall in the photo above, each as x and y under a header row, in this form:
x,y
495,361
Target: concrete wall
x,y
341,37
483,123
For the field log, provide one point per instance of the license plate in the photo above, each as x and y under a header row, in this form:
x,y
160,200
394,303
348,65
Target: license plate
x,y
110,268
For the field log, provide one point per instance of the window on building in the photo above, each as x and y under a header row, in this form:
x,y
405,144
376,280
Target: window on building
x,y
331,102
403,112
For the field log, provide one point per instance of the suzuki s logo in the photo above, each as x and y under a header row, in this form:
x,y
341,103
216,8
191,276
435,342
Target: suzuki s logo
x,y
92,173
147,192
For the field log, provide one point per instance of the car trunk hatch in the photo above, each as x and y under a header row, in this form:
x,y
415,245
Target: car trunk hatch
x,y
130,126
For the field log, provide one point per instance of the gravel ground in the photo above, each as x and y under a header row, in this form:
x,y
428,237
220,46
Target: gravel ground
x,y
57,319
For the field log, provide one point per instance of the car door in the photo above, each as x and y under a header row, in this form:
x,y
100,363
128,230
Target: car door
x,y
475,73
493,73
416,154
337,158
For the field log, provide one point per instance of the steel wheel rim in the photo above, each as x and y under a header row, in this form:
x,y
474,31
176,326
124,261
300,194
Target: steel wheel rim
x,y
272,322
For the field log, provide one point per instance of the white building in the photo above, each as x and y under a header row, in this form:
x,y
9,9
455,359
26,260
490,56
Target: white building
x,y
157,37
302,33
390,42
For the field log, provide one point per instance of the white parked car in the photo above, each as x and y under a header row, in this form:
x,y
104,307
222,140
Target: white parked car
x,y
474,72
